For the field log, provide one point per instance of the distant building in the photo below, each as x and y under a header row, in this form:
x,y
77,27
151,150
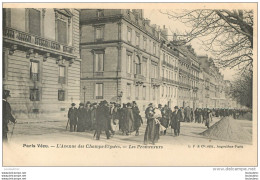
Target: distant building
x,y
188,76
213,84
169,72
120,57
41,60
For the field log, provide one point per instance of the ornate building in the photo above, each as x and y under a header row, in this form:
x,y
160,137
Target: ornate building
x,y
120,57
212,83
169,71
41,60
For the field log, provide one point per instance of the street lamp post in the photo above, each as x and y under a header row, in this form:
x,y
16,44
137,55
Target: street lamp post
x,y
84,88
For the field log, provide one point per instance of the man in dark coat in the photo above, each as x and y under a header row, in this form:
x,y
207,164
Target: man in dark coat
x,y
166,116
88,124
137,118
93,116
175,121
129,121
102,119
121,115
82,113
7,115
73,115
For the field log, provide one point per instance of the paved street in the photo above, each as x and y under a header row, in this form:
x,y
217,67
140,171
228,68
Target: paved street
x,y
54,131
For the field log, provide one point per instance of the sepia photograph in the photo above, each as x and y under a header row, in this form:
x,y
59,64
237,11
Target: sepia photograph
x,y
129,84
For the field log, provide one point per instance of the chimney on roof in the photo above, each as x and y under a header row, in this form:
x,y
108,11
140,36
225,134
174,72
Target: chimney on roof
x,y
165,32
147,21
174,37
139,12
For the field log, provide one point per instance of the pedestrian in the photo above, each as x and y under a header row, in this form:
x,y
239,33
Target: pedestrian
x,y
102,119
152,129
113,117
7,114
82,114
88,116
138,121
129,121
93,116
166,116
207,116
121,115
175,121
73,117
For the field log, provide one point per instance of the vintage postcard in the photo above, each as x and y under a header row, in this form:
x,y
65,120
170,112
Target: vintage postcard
x,y
129,84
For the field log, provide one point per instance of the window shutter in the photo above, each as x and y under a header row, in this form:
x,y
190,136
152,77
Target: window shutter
x,y
34,22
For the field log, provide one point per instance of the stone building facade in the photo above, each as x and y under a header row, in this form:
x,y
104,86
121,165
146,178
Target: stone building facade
x,y
212,85
41,60
120,57
169,72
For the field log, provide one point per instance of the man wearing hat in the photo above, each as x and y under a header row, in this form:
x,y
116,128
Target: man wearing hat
x,y
137,118
93,116
175,120
82,114
72,115
88,123
7,115
102,120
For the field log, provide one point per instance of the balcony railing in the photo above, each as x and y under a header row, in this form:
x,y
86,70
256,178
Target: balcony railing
x,y
167,64
36,40
155,81
139,77
169,80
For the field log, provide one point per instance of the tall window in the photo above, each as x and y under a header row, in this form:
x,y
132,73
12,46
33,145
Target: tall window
x,y
137,65
162,90
144,67
154,48
145,43
62,76
62,30
129,63
99,90
136,92
34,94
99,33
100,13
128,90
34,70
129,34
35,22
137,39
144,92
163,73
99,62
61,95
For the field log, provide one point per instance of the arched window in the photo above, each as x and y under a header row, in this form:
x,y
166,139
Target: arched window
x,y
137,65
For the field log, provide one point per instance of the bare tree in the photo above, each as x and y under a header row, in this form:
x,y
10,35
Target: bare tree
x,y
228,35
241,89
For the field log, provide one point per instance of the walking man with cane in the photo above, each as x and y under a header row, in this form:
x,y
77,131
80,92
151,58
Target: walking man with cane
x,y
7,115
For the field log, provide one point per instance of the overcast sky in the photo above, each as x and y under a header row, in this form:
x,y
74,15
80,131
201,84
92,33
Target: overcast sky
x,y
160,19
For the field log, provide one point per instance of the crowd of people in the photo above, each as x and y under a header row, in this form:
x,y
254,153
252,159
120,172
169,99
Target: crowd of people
x,y
111,118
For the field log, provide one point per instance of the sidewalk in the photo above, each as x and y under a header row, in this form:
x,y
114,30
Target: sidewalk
x,y
52,117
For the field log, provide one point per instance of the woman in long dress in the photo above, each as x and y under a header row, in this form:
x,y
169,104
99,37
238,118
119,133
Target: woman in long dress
x,y
153,126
